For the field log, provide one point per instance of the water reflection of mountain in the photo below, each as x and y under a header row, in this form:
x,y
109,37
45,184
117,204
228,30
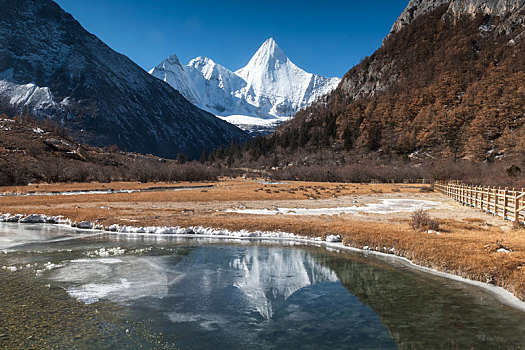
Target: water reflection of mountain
x,y
265,277
266,297
423,311
270,276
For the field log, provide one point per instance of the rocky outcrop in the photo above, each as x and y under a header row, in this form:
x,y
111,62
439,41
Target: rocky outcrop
x,y
381,73
514,10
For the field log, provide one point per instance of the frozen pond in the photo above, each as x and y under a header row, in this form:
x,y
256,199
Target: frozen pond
x,y
114,291
101,191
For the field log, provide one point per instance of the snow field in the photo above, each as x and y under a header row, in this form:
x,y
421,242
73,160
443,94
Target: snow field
x,y
386,206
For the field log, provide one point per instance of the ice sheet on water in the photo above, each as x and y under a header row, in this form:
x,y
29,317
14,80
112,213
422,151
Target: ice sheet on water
x,y
13,235
91,293
120,279
103,261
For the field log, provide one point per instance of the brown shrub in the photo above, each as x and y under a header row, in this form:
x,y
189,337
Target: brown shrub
x,y
426,189
421,221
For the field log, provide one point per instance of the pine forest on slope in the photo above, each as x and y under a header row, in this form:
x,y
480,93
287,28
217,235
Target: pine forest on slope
x,y
447,83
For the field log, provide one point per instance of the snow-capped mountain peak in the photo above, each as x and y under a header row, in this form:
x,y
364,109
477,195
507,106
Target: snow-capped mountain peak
x,y
267,58
208,67
201,61
267,91
173,60
281,88
270,72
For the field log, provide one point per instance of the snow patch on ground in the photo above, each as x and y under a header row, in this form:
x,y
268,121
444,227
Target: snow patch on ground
x,y
386,206
34,219
250,120
503,250
108,191
333,238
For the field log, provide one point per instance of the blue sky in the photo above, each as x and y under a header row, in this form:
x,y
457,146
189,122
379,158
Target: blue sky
x,y
323,37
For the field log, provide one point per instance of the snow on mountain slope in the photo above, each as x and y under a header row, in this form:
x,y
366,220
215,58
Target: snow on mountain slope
x,y
270,89
280,87
174,74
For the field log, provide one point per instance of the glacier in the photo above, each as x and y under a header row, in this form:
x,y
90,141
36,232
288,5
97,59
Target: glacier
x,y
269,90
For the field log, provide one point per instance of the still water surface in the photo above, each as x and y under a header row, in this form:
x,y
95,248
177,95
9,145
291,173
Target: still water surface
x,y
107,291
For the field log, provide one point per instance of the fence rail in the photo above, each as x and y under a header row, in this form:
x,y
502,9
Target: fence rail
x,y
504,202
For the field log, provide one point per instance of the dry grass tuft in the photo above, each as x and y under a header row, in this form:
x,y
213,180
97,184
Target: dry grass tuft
x,y
518,226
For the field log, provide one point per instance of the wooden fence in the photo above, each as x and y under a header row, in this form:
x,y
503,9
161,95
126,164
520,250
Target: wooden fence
x,y
506,203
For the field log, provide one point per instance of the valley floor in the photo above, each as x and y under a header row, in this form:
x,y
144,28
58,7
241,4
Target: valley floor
x,y
470,244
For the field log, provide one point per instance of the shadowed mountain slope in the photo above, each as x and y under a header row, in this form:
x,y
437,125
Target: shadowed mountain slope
x,y
50,67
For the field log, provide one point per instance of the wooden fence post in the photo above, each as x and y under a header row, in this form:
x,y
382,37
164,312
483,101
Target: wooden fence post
x,y
505,202
520,200
496,201
494,195
488,199
516,207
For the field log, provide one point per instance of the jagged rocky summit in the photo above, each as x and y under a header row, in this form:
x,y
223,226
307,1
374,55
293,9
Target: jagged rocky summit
x,y
513,10
267,91
51,67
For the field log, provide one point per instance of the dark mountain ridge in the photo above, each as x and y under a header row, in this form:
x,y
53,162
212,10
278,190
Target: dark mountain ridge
x,y
51,67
